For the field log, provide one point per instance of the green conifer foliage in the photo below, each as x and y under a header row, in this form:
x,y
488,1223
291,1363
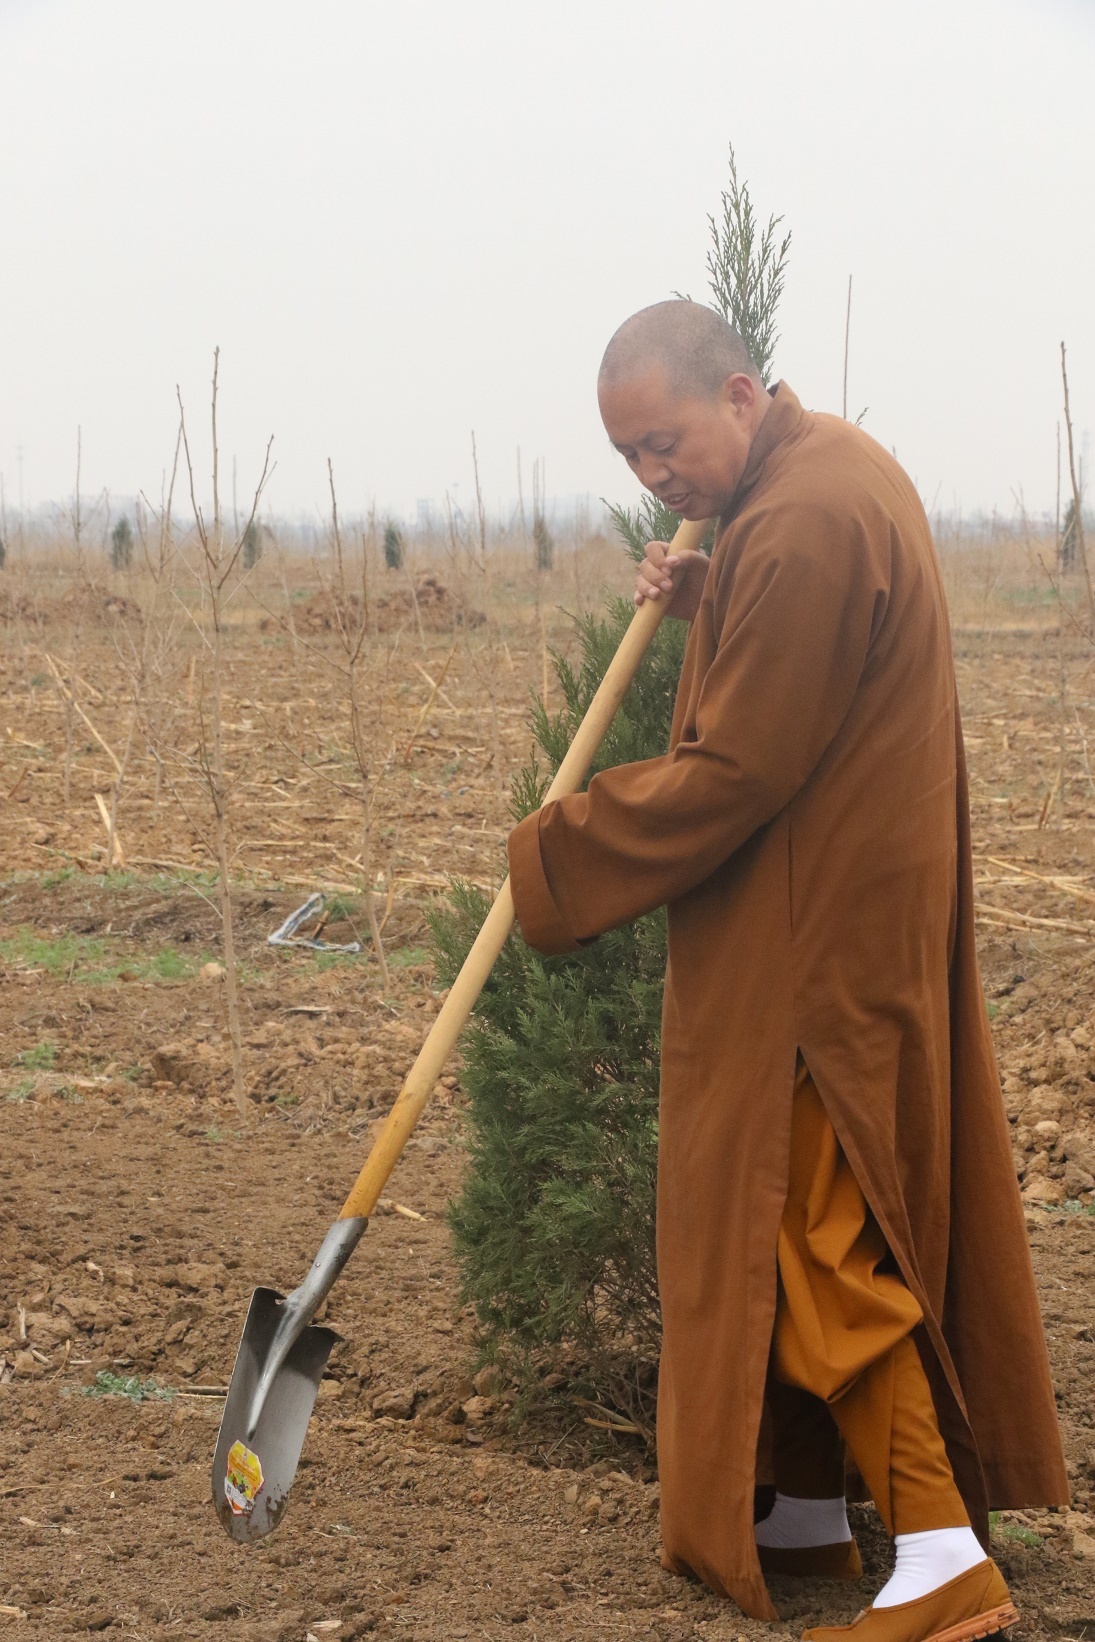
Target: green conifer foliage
x,y
393,547
746,268
543,542
554,1227
252,545
121,545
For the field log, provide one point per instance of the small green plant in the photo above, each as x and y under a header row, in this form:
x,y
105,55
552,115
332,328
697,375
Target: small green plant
x,y
121,545
393,547
61,875
39,1059
252,545
132,1386
22,1090
57,956
1014,1531
543,542
343,907
170,965
333,960
82,959
408,955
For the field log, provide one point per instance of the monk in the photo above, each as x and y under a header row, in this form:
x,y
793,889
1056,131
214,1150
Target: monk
x,y
842,1253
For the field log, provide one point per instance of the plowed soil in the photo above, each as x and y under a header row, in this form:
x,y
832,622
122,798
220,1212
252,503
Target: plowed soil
x,y
138,1211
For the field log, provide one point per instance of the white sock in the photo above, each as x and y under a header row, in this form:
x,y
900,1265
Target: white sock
x,y
926,1561
796,1523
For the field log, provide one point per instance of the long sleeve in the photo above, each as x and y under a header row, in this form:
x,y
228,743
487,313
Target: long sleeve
x,y
792,609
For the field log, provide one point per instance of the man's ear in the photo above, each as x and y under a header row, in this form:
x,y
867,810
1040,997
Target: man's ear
x,y
739,392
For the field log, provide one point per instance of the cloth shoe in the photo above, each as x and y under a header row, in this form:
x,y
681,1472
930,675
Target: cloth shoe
x,y
812,1561
927,1560
974,1605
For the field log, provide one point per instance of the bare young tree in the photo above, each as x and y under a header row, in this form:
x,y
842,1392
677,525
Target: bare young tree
x,y
70,687
470,561
218,558
366,705
145,650
1079,544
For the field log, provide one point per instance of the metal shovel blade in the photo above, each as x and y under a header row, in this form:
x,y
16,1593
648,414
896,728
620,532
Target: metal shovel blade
x,y
255,1461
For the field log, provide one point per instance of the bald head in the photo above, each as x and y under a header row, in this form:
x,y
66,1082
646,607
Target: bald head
x,y
693,344
681,400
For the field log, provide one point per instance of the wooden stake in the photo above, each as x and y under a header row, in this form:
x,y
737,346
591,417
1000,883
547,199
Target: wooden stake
x,y
71,700
114,847
449,703
425,713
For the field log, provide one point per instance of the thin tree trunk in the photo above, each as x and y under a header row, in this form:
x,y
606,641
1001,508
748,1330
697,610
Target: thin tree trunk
x,y
220,826
370,898
1077,503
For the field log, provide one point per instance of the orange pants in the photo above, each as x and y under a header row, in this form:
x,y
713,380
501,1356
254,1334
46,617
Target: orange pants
x,y
844,1367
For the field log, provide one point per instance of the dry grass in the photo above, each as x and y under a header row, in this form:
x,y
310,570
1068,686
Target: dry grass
x,y
133,647
296,806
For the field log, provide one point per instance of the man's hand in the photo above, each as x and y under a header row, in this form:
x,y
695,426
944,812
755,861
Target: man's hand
x,y
678,577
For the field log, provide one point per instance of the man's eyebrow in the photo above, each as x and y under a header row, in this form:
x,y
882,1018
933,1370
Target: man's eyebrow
x,y
647,438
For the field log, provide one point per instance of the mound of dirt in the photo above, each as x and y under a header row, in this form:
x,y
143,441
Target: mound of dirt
x,y
431,601
116,608
95,605
16,606
438,608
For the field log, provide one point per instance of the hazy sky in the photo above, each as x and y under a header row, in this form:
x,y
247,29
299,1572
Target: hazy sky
x,y
403,222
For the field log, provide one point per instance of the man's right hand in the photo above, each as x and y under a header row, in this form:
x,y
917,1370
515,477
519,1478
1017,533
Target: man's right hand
x,y
678,577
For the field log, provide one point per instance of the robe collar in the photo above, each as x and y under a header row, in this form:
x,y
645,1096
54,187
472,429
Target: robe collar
x,y
782,421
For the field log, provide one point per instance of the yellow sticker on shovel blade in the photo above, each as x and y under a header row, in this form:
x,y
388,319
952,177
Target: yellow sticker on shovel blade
x,y
244,1479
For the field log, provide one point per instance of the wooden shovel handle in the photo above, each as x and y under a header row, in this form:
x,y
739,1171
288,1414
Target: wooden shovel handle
x,y
479,962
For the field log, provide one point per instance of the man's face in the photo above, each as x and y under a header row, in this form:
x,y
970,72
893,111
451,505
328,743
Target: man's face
x,y
690,453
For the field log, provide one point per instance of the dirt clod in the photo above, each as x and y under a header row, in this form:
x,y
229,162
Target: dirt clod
x,y
396,1405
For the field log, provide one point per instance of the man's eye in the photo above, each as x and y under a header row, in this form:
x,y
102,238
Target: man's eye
x,y
663,450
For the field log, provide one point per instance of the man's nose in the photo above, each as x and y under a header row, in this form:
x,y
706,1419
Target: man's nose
x,y
653,471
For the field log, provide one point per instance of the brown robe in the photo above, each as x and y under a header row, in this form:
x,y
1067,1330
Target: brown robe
x,y
809,832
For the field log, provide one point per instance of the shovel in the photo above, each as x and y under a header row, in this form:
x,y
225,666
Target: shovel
x,y
282,1354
